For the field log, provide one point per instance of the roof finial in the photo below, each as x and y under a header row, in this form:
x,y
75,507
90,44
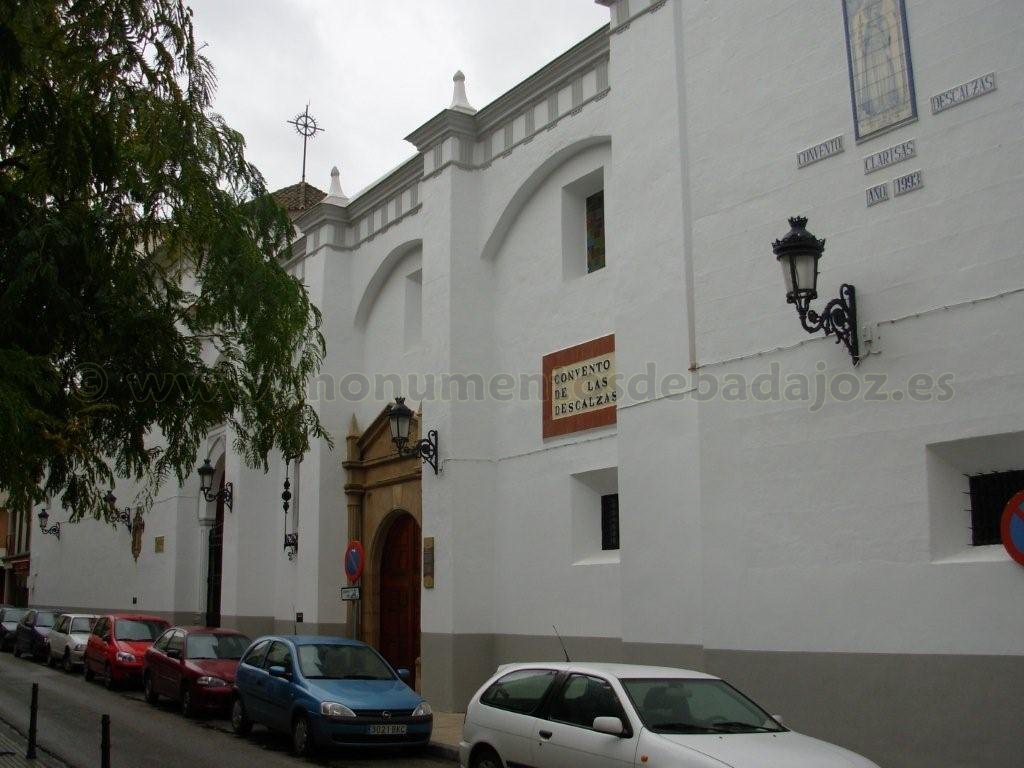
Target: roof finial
x,y
459,100
336,196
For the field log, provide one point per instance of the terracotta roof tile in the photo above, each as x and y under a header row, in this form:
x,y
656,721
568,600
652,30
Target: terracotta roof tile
x,y
295,200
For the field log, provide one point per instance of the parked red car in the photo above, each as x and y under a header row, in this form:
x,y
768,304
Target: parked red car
x,y
194,666
117,645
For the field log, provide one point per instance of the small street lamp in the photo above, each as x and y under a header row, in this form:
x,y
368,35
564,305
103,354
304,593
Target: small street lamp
x,y
120,515
206,485
400,418
53,530
798,252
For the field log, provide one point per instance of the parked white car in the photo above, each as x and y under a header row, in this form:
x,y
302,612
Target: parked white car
x,y
68,639
552,715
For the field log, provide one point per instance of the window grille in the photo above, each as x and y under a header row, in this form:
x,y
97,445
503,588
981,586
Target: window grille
x,y
989,495
595,231
610,521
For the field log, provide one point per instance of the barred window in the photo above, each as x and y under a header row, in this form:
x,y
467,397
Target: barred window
x,y
610,521
989,495
595,231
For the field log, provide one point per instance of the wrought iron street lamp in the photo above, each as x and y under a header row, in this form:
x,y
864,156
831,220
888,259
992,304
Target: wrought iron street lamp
x,y
798,252
53,530
120,515
206,485
400,418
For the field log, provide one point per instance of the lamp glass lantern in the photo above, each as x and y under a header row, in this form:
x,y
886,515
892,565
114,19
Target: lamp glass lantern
x,y
798,253
205,477
400,419
44,517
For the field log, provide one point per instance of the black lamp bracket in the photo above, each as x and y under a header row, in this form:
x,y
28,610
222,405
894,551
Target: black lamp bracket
x,y
838,319
224,494
426,449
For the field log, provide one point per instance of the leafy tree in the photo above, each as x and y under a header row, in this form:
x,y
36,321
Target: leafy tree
x,y
142,301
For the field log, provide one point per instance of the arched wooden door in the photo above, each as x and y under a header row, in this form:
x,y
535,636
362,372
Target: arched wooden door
x,y
400,595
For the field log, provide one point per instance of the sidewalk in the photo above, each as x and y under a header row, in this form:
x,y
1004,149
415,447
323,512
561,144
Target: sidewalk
x,y
12,751
444,741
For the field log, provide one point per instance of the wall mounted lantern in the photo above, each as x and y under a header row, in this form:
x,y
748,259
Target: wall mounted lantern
x,y
798,253
206,485
400,417
291,540
120,515
53,530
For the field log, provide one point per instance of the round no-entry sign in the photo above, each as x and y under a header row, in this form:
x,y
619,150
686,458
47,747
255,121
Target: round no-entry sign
x,y
354,560
1012,527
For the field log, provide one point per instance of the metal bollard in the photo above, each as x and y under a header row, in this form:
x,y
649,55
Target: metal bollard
x,y
105,741
30,750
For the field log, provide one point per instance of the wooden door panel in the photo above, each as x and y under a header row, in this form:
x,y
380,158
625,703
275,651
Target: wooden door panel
x,y
400,595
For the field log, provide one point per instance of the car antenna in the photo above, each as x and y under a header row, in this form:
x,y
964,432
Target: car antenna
x,y
561,643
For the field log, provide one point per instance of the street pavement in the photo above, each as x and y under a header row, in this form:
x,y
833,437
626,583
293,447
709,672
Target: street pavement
x,y
143,735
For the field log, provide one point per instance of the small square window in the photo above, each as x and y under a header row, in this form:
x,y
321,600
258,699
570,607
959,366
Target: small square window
x,y
610,521
595,231
989,495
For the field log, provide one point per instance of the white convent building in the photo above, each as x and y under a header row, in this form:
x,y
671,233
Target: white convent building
x,y
747,501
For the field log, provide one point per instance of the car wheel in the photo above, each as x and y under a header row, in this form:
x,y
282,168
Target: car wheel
x,y
302,737
51,662
147,686
188,706
66,663
240,722
485,758
108,678
89,674
17,651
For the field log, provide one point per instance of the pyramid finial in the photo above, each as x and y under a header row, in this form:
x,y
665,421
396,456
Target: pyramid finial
x,y
336,196
459,100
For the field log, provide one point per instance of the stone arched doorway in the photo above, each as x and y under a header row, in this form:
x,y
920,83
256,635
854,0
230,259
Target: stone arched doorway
x,y
383,491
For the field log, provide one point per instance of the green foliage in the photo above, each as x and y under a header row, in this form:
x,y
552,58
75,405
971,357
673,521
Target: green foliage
x,y
142,302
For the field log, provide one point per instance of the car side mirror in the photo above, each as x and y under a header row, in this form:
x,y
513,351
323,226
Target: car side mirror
x,y
403,674
610,725
278,671
173,654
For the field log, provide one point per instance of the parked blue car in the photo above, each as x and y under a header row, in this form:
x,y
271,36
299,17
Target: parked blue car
x,y
327,691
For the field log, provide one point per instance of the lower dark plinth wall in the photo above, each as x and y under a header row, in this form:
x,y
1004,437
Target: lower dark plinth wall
x,y
900,710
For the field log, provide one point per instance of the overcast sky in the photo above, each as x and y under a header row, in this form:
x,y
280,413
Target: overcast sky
x,y
372,72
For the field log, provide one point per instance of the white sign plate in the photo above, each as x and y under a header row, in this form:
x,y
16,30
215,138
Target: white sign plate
x,y
890,156
904,184
972,89
877,194
819,152
351,593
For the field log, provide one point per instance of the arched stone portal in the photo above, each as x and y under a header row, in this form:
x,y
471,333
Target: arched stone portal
x,y
385,514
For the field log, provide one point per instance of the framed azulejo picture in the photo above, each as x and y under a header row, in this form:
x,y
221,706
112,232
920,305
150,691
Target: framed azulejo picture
x,y
881,75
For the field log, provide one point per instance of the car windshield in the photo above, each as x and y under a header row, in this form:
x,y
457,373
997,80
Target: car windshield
x,y
82,624
45,619
342,662
14,614
684,705
216,646
138,629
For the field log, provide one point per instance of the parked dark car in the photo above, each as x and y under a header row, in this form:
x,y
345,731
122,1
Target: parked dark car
x,y
9,618
327,691
31,637
194,666
117,645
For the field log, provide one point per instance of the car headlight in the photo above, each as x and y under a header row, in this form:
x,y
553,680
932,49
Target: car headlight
x,y
422,710
211,682
334,709
77,646
128,658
